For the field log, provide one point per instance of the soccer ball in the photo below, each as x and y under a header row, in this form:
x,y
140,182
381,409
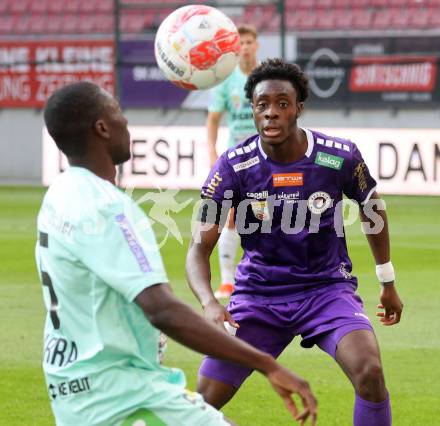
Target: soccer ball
x,y
196,47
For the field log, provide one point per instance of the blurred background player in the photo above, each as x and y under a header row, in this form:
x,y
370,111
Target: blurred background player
x,y
229,97
106,289
287,185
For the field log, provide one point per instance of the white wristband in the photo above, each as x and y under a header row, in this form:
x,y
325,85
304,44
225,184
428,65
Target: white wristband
x,y
385,272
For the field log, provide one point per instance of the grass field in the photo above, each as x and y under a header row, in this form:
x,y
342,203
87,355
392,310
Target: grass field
x,y
410,351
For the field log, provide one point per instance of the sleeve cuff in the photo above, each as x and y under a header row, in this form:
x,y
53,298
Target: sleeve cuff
x,y
367,198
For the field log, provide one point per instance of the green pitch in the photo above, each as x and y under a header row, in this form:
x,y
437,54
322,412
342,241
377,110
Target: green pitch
x,y
410,351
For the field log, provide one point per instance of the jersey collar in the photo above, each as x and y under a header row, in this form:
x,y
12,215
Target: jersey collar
x,y
310,144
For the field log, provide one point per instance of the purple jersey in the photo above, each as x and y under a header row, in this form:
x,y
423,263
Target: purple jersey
x,y
289,215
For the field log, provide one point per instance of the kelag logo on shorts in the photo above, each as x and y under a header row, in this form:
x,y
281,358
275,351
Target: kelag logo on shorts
x,y
328,160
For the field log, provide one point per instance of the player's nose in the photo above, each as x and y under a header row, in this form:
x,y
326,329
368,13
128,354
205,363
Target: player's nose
x,y
270,113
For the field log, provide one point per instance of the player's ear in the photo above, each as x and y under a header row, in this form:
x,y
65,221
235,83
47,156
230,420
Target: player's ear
x,y
299,108
101,129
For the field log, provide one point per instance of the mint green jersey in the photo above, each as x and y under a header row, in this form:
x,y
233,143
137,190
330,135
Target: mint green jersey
x,y
96,252
229,97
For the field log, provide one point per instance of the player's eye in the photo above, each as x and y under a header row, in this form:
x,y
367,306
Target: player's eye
x,y
283,104
261,105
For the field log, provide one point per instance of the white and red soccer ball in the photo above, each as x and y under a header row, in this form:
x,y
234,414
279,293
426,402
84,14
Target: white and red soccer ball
x,y
197,47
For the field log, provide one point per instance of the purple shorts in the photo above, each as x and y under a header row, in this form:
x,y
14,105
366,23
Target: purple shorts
x,y
322,319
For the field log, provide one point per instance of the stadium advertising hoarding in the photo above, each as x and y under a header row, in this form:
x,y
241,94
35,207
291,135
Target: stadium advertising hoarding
x,y
143,85
31,70
403,161
362,71
141,81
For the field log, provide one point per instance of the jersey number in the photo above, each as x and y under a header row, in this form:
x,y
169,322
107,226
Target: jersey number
x,y
45,278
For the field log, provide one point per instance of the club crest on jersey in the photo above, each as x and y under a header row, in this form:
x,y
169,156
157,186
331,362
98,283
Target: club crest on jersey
x,y
288,179
236,101
260,210
319,202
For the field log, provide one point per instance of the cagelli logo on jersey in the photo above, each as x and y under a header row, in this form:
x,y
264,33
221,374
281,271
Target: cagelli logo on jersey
x,y
288,179
246,164
328,160
258,195
319,202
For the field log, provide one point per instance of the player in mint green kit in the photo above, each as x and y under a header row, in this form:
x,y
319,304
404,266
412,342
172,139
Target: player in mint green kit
x,y
229,97
106,291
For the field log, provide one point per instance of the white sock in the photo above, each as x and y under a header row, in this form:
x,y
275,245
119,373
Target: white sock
x,y
227,250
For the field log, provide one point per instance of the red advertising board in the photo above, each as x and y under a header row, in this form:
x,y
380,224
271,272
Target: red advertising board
x,y
30,71
394,73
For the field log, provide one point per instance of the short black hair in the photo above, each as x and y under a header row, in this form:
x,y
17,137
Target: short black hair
x,y
70,114
278,69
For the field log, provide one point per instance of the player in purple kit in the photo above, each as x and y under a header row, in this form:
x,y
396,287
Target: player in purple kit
x,y
286,184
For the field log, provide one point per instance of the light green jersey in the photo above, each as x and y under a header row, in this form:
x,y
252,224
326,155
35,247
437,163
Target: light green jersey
x,y
229,97
96,252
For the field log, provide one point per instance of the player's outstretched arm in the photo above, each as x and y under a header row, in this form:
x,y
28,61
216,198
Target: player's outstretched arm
x,y
212,126
198,272
180,322
375,224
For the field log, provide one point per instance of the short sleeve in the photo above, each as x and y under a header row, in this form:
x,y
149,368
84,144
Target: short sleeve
x,y
219,193
118,245
218,101
359,185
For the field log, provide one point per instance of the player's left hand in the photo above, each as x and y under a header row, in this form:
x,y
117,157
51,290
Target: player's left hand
x,y
391,304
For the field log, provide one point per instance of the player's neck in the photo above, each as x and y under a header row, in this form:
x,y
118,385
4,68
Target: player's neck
x,y
290,150
102,168
246,67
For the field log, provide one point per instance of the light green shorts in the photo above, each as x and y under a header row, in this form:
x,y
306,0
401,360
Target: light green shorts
x,y
187,410
131,397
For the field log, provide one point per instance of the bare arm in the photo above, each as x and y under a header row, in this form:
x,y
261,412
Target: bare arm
x,y
375,224
180,322
212,126
198,272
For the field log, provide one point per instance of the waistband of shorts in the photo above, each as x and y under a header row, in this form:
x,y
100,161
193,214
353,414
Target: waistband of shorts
x,y
272,300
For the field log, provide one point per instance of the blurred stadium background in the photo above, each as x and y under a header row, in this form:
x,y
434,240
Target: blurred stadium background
x,y
374,77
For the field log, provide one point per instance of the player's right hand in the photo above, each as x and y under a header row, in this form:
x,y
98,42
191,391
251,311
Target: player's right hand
x,y
286,384
218,314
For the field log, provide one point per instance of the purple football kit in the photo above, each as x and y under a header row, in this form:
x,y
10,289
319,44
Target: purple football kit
x,y
295,274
